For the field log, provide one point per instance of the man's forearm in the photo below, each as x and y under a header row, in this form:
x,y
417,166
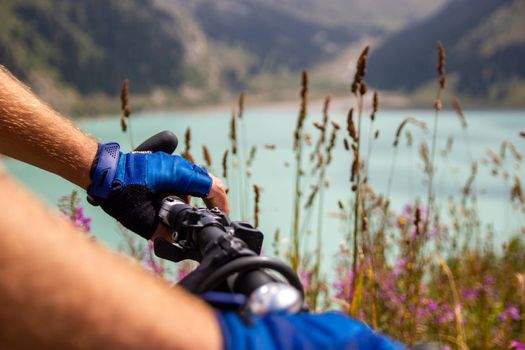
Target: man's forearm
x,y
33,132
59,290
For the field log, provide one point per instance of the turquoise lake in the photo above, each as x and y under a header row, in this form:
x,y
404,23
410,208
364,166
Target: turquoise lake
x,y
273,169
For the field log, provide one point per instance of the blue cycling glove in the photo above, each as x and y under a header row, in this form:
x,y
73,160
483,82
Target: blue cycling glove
x,y
304,331
128,185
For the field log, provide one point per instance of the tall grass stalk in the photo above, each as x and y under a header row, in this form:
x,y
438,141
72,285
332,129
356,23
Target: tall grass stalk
x,y
125,120
442,82
298,149
359,89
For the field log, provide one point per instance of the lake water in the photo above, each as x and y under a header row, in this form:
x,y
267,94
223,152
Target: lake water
x,y
275,125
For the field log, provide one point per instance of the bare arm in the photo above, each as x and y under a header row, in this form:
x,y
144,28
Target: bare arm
x,y
34,133
60,291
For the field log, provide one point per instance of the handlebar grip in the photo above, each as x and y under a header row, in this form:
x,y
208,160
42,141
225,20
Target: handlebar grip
x,y
164,141
249,281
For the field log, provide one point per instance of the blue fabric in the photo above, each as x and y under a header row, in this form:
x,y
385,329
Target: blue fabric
x,y
329,330
158,171
104,171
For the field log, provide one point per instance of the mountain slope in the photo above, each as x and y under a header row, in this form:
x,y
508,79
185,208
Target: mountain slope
x,y
280,36
92,45
485,42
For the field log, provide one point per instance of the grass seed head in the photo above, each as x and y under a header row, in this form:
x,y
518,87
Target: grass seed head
x,y
241,105
459,112
257,193
441,65
207,156
375,106
225,164
346,144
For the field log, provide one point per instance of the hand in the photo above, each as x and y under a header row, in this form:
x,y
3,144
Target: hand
x,y
129,186
217,196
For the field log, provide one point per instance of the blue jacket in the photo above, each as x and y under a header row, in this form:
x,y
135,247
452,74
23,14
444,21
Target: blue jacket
x,y
329,330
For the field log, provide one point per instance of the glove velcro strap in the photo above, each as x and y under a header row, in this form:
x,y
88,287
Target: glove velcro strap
x,y
104,169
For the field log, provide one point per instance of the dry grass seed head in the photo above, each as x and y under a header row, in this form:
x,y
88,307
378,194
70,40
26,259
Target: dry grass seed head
x,y
468,185
308,139
233,132
319,126
364,221
405,121
417,220
207,155
311,197
423,152
441,64
251,157
350,125
225,164
326,106
513,150
303,109
241,105
516,192
375,106
320,160
459,112
346,144
187,140
438,106
360,73
123,124
257,192
494,157
124,95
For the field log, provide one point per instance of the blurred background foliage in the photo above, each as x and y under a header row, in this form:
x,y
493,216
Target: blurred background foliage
x,y
184,53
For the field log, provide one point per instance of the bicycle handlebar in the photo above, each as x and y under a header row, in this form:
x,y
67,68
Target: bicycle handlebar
x,y
228,255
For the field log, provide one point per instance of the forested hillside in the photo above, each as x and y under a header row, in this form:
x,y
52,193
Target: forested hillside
x,y
92,45
202,51
485,41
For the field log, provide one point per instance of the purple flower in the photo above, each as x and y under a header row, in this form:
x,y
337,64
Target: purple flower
x,y
511,312
469,294
488,280
514,344
446,315
305,278
432,305
343,288
76,216
150,261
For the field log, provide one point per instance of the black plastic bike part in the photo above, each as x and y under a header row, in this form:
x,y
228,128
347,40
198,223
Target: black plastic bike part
x,y
250,263
195,227
164,141
249,281
226,250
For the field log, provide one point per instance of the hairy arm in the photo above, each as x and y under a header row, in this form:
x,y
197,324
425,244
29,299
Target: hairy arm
x,y
34,133
59,290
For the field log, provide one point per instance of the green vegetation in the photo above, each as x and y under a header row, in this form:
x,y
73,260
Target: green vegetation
x,y
486,41
177,52
431,272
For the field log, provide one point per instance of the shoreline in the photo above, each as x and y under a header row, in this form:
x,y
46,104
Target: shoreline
x,y
338,104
